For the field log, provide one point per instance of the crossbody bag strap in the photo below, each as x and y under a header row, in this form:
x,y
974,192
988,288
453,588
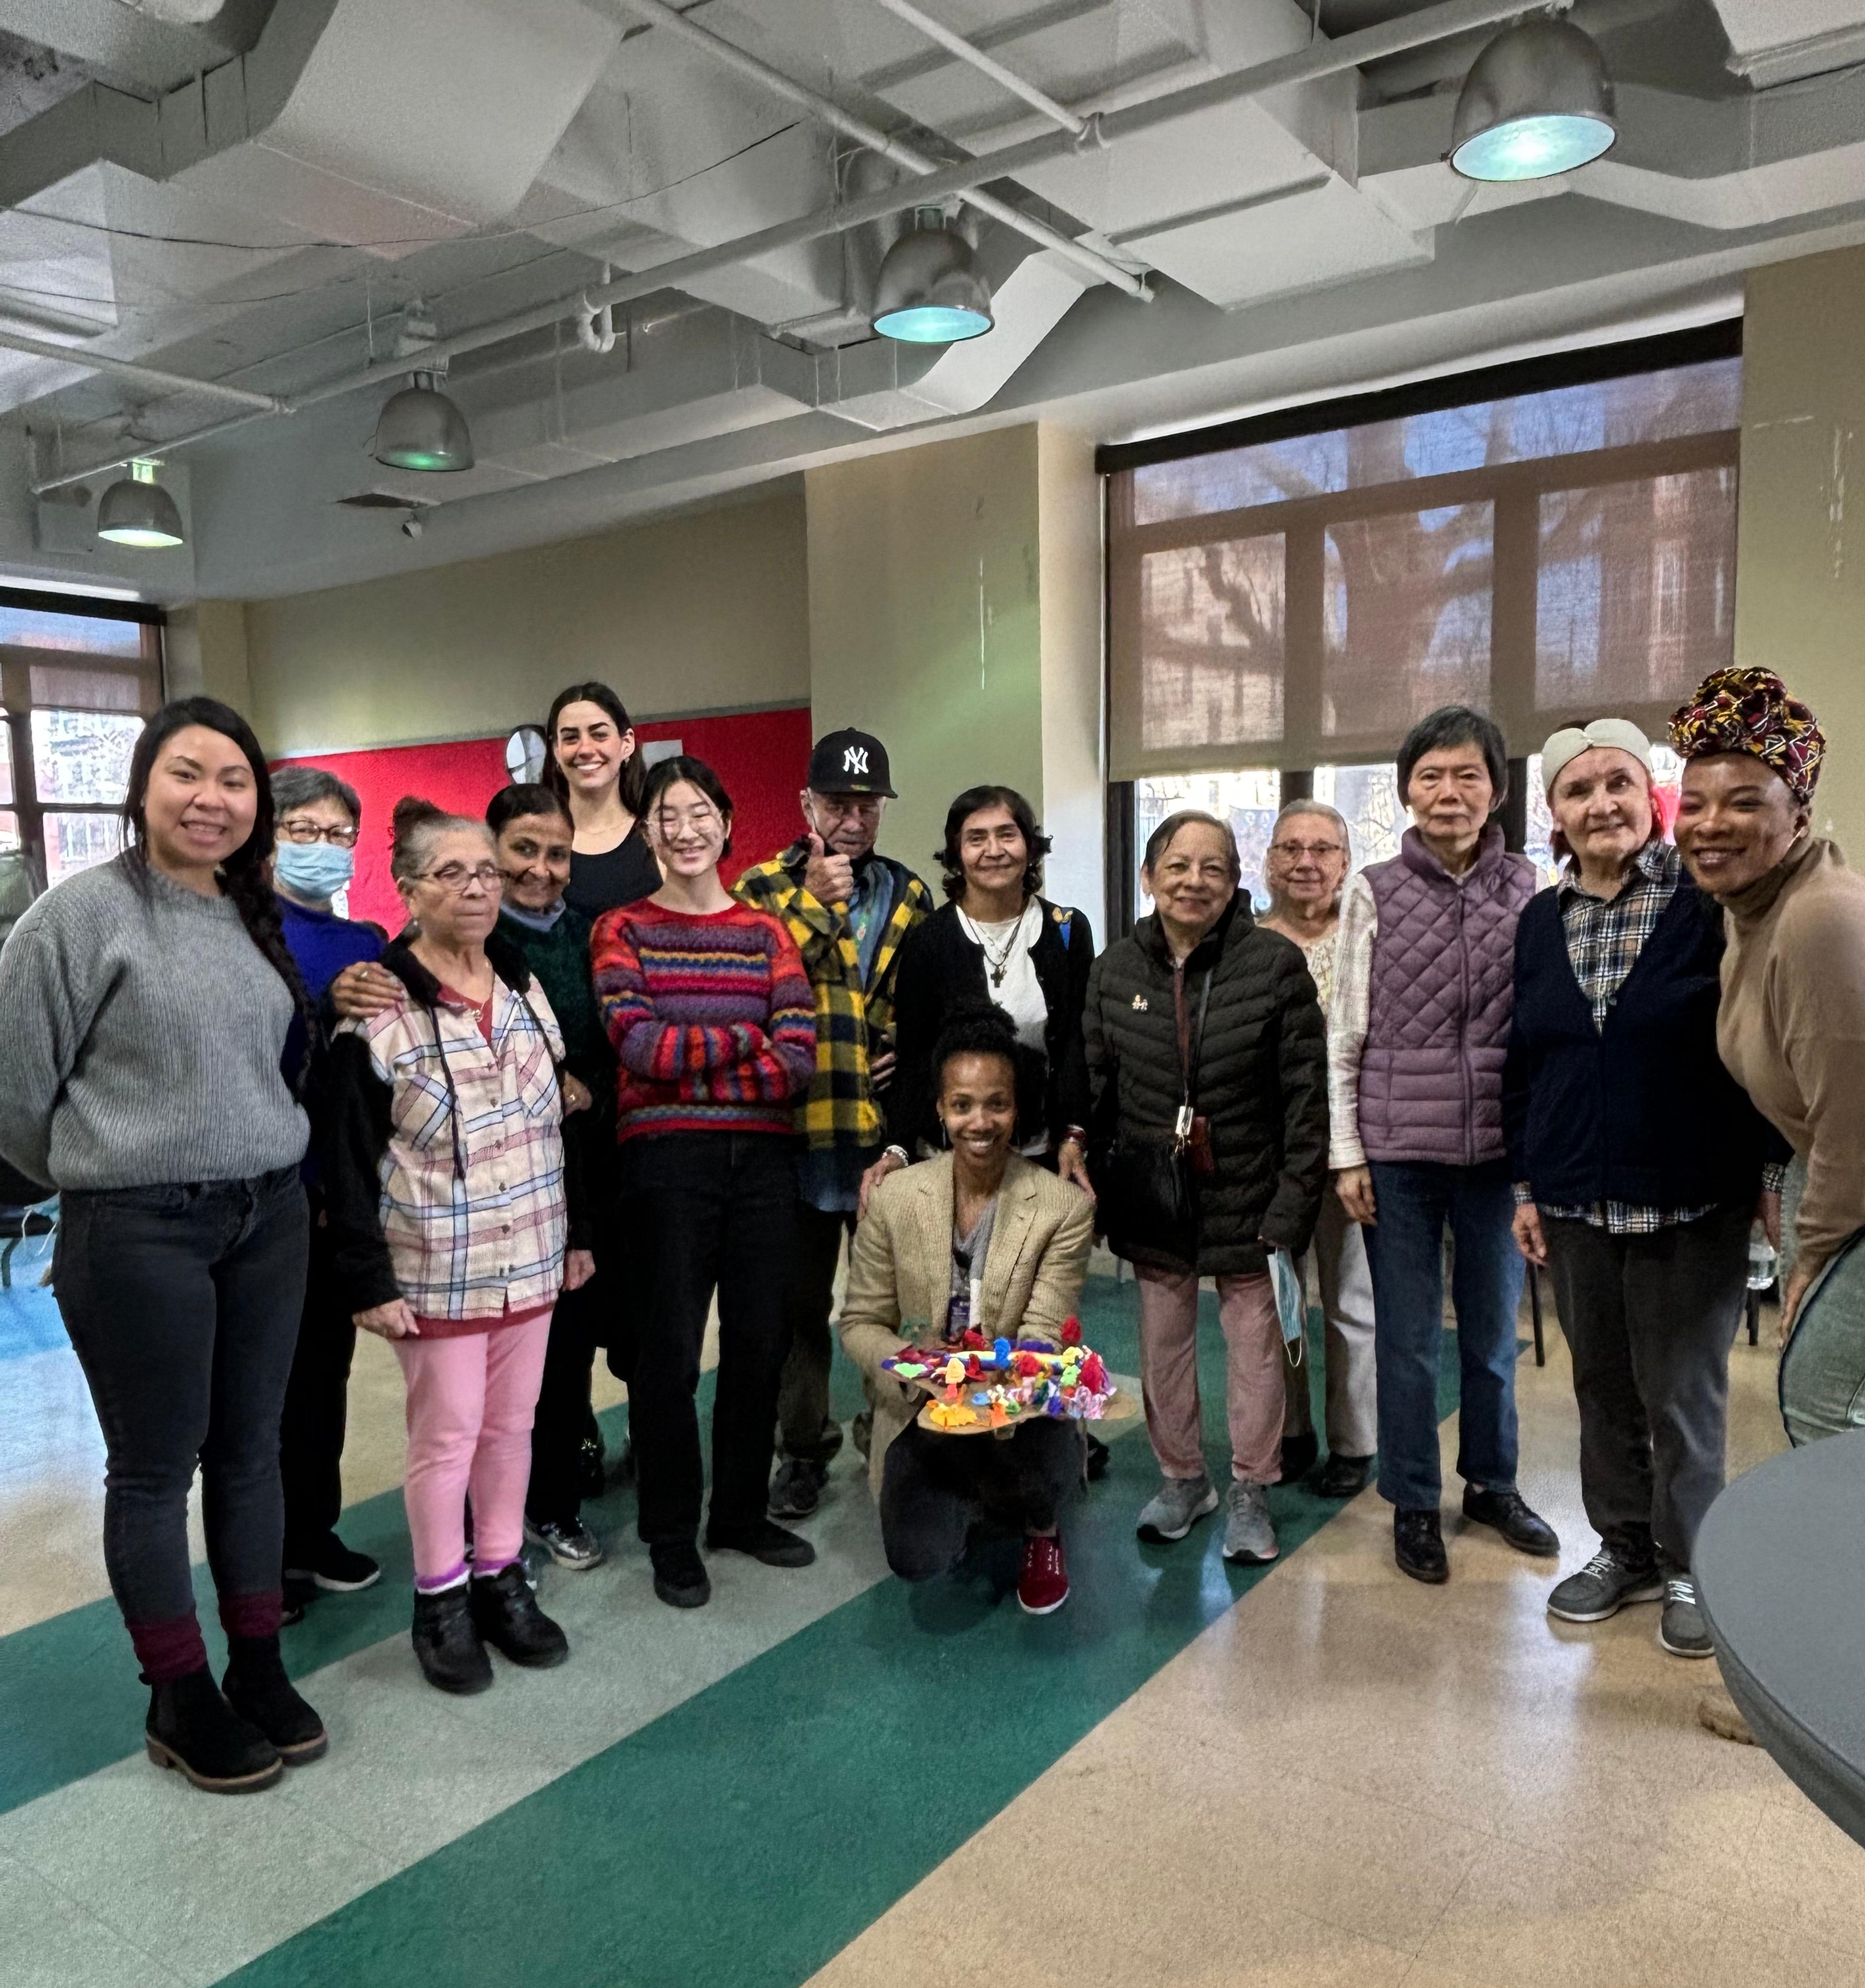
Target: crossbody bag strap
x,y
1188,1110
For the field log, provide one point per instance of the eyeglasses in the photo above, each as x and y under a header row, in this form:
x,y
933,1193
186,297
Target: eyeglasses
x,y
302,832
455,877
700,820
1293,852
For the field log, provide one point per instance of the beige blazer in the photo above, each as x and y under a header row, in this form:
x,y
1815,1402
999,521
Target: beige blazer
x,y
900,1274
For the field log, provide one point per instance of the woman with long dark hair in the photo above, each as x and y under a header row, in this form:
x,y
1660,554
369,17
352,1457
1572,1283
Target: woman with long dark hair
x,y
145,1005
594,769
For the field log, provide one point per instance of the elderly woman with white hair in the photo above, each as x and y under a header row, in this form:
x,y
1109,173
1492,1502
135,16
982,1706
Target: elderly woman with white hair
x,y
1306,870
1638,1161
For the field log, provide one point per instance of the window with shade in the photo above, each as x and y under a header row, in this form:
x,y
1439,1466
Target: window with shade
x,y
1549,542
77,680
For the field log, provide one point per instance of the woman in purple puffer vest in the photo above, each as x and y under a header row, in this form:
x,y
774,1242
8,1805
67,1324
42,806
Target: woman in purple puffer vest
x,y
1417,1035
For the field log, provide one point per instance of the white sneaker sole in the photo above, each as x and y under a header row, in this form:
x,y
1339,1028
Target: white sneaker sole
x,y
1694,1655
329,1583
574,1564
1653,1593
1158,1536
1243,1557
1049,1611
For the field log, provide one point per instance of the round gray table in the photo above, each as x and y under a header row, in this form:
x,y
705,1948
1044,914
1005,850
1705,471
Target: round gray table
x,y
1780,1567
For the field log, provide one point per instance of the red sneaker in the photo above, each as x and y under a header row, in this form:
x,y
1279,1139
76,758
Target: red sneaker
x,y
1042,1586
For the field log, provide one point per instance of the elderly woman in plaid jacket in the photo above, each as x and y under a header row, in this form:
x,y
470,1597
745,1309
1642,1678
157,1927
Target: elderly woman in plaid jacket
x,y
455,1227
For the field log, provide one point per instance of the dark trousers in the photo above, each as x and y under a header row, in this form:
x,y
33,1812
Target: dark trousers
x,y
182,1303
316,1404
934,1488
563,1419
804,1430
1649,1320
706,1212
1416,1202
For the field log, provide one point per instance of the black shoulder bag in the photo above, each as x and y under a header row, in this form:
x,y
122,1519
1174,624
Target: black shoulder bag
x,y
1142,1174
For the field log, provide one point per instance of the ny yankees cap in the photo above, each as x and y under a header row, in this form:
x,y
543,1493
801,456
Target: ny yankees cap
x,y
850,763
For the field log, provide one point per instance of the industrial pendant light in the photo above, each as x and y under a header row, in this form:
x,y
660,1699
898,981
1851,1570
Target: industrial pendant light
x,y
928,290
420,429
1537,101
137,510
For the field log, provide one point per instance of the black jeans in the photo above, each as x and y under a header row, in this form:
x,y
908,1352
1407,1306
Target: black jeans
x,y
1649,1320
934,1488
563,1418
183,1304
804,1430
316,1404
705,1212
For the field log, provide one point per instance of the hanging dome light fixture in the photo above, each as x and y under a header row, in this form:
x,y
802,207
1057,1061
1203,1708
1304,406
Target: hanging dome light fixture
x,y
929,290
1537,101
137,510
420,429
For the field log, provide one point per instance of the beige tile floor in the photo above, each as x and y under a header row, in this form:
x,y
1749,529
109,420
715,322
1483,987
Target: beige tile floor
x,y
1352,1779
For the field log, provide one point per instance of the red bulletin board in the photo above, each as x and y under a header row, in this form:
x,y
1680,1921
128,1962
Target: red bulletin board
x,y
762,757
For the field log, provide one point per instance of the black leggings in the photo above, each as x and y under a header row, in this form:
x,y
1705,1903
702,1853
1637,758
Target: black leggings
x,y
183,1304
934,1488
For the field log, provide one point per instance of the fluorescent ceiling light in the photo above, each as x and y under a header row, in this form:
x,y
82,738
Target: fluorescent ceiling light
x,y
929,290
1537,101
138,512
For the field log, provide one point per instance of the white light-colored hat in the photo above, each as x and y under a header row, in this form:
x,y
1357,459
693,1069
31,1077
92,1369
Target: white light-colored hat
x,y
1568,743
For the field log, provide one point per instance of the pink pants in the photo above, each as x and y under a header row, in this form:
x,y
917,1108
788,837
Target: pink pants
x,y
1168,1372
470,1401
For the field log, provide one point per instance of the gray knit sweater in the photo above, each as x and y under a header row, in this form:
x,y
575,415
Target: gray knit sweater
x,y
140,1032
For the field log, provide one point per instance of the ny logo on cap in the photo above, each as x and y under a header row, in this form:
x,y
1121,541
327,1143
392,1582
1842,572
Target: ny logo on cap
x,y
854,760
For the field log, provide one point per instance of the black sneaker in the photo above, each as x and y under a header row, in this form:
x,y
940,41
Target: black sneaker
x,y
1300,1453
258,1690
680,1578
191,1728
1418,1545
446,1645
505,1613
1343,1476
1608,1583
1681,1628
762,1541
1506,1511
796,1489
568,1542
331,1566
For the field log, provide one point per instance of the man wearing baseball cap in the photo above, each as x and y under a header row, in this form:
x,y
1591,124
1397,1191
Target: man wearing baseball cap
x,y
847,909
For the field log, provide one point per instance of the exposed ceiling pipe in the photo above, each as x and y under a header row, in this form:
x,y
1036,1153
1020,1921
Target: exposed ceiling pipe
x,y
1304,64
150,376
975,58
732,57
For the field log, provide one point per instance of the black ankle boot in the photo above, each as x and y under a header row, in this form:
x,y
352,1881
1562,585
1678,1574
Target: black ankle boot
x,y
448,1646
505,1613
192,1729
258,1690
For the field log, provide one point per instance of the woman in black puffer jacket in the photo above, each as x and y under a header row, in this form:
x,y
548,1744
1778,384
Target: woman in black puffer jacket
x,y
1200,988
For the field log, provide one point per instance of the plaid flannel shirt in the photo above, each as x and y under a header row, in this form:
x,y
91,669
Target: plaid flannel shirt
x,y
852,1021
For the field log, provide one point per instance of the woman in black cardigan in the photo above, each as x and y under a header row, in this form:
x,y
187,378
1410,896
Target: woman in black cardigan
x,y
1638,1162
996,942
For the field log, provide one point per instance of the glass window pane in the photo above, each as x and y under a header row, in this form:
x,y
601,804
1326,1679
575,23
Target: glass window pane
x,y
1405,618
1249,801
34,628
1211,645
9,831
6,759
75,842
1369,797
1636,598
1705,399
82,755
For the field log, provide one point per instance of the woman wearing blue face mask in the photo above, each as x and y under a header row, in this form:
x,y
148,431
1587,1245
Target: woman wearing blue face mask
x,y
313,858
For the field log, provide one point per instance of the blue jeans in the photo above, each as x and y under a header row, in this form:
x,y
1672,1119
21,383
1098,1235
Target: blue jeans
x,y
1413,1201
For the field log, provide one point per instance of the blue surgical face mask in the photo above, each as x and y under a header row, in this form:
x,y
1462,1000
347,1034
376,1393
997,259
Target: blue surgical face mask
x,y
313,870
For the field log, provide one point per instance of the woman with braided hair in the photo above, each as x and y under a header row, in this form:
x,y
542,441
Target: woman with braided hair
x,y
145,1007
1791,1028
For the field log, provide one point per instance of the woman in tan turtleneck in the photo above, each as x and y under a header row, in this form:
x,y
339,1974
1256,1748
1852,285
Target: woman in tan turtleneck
x,y
1791,1025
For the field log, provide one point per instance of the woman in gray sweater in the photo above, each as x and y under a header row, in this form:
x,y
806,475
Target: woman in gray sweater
x,y
144,1006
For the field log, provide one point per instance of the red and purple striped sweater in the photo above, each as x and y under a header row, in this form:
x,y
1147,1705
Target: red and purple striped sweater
x,y
711,1015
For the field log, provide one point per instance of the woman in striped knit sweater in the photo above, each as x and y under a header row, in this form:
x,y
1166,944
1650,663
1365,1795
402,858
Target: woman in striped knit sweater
x,y
710,1008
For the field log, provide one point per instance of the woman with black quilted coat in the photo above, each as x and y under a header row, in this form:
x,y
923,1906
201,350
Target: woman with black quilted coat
x,y
1208,1061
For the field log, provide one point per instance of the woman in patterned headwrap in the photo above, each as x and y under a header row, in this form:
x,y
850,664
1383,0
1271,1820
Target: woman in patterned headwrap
x,y
1791,1028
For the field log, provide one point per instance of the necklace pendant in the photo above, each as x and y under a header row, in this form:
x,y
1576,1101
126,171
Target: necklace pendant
x,y
997,976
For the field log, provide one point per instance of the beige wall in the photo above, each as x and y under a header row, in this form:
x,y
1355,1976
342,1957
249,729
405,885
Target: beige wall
x,y
1800,572
705,611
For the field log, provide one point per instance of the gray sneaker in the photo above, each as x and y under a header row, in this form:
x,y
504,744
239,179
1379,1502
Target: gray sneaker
x,y
1603,1586
1681,1628
1248,1535
574,1546
1175,1508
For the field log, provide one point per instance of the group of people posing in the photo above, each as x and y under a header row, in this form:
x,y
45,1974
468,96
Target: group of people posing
x,y
589,1088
